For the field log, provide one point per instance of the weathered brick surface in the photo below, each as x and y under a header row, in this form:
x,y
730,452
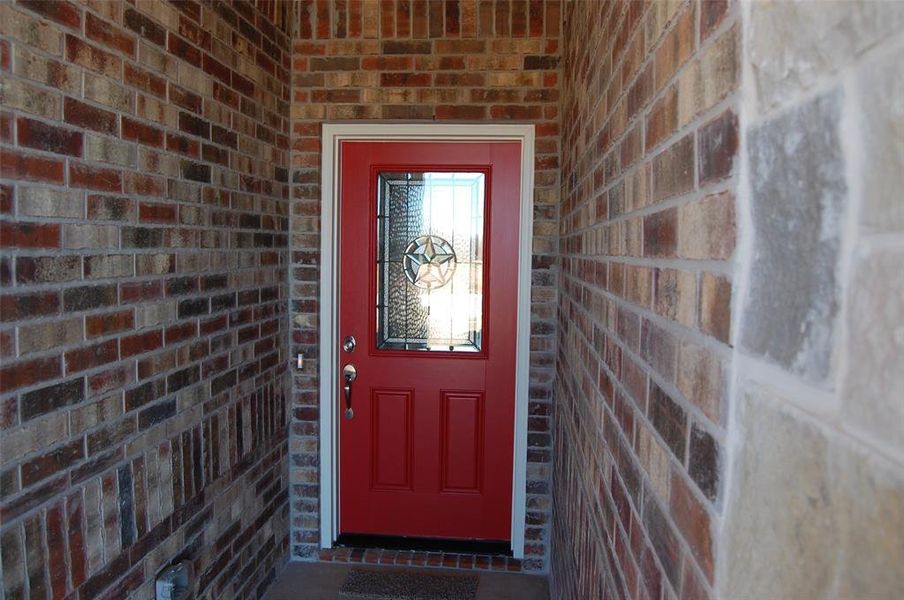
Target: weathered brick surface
x,y
647,229
446,61
143,338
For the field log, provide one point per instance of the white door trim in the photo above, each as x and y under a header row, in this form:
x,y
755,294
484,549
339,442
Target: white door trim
x,y
332,134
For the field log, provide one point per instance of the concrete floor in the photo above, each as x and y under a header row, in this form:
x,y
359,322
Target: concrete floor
x,y
321,581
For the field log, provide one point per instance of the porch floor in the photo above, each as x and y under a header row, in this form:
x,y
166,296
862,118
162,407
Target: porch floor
x,y
322,581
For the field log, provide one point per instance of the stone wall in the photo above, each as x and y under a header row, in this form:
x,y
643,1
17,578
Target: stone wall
x,y
417,60
143,329
816,502
647,225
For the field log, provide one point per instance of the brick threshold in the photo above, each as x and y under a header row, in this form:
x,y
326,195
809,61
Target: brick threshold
x,y
415,558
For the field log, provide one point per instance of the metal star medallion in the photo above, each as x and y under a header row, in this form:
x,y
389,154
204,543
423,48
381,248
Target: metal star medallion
x,y
429,262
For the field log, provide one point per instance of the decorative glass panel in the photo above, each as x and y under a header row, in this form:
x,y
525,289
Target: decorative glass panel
x,y
430,261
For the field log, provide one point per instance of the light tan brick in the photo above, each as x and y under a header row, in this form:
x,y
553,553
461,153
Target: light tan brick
x,y
44,336
48,71
79,236
50,202
110,150
37,33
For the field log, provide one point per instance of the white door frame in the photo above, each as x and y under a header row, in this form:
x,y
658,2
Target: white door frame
x,y
332,134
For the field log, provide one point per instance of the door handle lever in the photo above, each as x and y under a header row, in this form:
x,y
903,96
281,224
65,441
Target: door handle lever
x,y
349,374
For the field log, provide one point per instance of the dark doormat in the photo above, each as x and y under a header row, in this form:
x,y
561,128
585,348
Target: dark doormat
x,y
385,584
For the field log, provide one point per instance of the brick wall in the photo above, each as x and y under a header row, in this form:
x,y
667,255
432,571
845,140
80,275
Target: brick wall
x,y
143,224
647,228
449,61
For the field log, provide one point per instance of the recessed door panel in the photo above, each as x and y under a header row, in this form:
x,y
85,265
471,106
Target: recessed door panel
x,y
462,441
428,263
391,434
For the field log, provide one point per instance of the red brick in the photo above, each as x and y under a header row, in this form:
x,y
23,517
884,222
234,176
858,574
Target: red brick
x,y
663,118
156,213
461,111
144,27
140,291
715,306
305,19
213,67
145,81
28,167
518,112
6,127
24,373
712,13
84,115
60,11
109,35
29,235
180,333
693,522
91,356
717,144
15,307
41,136
100,325
185,98
140,343
92,57
182,145
76,539
95,178
141,132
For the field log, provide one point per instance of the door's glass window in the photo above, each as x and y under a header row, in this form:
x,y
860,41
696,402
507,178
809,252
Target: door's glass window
x,y
430,261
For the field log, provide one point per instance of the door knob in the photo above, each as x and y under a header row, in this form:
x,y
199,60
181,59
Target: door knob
x,y
349,374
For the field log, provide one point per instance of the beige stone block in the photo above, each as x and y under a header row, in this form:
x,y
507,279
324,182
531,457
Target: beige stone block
x,y
873,384
880,87
782,529
871,564
792,45
812,514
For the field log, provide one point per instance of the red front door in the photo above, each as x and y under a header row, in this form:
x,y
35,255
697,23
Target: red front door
x,y
428,288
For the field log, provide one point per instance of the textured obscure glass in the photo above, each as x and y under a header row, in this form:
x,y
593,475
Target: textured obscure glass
x,y
430,261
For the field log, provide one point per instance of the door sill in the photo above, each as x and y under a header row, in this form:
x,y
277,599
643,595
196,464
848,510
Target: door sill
x,y
387,542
